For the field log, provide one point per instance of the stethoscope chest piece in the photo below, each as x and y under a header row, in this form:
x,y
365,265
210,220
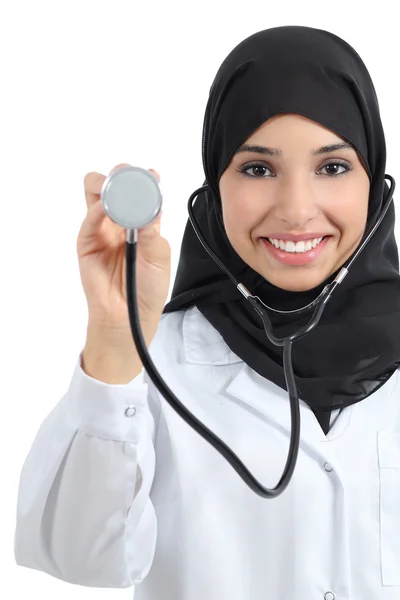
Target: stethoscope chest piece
x,y
131,197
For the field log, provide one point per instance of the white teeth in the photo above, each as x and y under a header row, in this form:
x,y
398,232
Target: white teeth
x,y
289,246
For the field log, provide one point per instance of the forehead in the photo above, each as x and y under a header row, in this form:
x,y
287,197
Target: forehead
x,y
294,125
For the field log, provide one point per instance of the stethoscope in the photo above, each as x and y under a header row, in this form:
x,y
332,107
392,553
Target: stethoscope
x,y
131,197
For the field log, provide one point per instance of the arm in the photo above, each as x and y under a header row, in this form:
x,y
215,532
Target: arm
x,y
84,514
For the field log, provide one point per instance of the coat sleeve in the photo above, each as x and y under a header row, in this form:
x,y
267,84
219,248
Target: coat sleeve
x,y
84,513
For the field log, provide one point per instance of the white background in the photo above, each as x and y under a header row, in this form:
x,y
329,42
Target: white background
x,y
85,85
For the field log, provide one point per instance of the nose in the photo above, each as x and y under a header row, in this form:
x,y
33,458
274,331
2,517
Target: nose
x,y
296,201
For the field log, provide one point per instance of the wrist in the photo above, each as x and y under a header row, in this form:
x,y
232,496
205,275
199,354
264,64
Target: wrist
x,y
110,361
109,336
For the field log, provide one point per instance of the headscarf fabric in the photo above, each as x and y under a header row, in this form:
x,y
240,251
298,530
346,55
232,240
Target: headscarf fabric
x,y
355,347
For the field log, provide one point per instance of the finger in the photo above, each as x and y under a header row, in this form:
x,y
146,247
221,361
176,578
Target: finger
x,y
95,216
93,183
156,174
119,167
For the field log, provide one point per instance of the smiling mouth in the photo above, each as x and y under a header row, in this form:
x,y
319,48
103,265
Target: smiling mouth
x,y
292,247
296,254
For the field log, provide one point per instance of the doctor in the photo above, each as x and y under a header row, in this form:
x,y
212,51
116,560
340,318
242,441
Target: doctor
x,y
117,490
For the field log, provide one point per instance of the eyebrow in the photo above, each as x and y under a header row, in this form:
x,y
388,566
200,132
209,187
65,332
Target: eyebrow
x,y
276,152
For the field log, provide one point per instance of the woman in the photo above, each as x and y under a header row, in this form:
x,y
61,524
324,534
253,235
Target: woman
x,y
118,491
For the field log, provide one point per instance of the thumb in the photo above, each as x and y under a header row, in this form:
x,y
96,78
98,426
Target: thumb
x,y
156,224
151,230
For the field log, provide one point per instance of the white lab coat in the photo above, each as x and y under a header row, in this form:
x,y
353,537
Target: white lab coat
x,y
119,491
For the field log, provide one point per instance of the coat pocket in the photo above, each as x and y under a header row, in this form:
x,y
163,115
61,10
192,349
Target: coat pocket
x,y
389,506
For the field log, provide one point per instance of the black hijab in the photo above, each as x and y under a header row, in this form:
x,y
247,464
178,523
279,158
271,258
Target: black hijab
x,y
355,347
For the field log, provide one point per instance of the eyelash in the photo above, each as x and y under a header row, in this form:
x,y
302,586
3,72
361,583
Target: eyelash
x,y
245,168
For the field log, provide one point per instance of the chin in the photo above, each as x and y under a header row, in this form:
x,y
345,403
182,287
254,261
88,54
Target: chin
x,y
296,288
300,283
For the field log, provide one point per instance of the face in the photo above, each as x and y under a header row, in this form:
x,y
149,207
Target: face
x,y
296,211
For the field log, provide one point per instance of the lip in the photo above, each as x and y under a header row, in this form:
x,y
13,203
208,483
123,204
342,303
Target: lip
x,y
295,238
294,258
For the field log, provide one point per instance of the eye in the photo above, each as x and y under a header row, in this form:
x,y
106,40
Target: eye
x,y
334,166
243,170
332,169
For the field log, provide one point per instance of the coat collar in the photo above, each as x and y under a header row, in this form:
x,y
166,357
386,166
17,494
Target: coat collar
x,y
204,345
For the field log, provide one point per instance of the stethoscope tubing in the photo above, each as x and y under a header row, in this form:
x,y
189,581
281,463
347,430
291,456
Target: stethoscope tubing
x,y
259,307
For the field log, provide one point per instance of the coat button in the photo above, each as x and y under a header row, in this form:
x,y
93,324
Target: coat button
x,y
130,411
329,596
328,467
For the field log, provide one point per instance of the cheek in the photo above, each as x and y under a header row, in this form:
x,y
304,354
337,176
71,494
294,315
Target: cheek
x,y
239,201
350,214
238,221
